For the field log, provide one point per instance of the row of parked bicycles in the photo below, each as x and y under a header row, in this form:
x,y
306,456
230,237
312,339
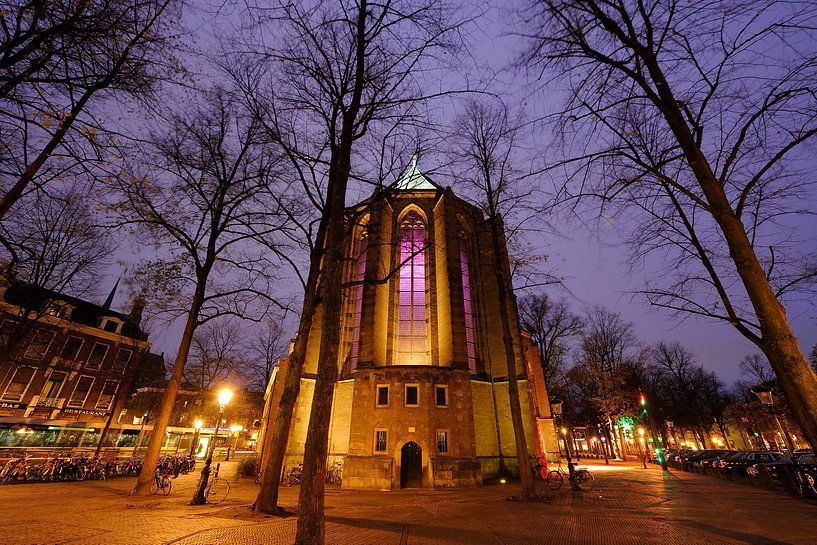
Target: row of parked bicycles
x,y
796,474
68,467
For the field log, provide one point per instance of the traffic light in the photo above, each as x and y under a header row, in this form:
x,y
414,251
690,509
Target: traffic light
x,y
642,399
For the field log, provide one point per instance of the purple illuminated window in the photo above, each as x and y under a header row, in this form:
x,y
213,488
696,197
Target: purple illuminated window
x,y
469,312
354,351
412,331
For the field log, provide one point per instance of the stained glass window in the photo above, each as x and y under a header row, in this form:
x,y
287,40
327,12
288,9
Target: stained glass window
x,y
467,303
412,334
354,352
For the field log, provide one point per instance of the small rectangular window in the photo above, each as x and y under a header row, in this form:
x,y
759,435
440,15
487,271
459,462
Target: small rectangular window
x,y
121,361
441,396
81,391
106,397
380,437
442,441
97,356
19,384
412,395
39,345
111,326
382,396
53,386
71,349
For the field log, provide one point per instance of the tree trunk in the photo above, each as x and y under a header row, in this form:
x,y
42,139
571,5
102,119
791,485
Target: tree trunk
x,y
504,294
277,436
151,460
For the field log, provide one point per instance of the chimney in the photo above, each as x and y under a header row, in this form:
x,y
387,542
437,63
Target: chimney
x,y
137,306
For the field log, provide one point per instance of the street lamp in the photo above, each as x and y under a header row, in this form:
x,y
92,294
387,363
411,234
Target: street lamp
x,y
197,424
766,398
643,447
224,397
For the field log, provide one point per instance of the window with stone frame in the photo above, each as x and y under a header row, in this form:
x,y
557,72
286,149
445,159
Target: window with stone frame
x,y
107,395
380,440
53,385
442,441
354,350
98,353
81,390
121,361
441,395
382,396
470,345
412,324
38,347
71,349
19,383
412,398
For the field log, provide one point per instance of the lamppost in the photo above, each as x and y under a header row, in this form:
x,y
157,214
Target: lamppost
x,y
569,459
197,424
199,498
766,398
233,440
643,447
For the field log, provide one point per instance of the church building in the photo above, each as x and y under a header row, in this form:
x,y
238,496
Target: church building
x,y
422,393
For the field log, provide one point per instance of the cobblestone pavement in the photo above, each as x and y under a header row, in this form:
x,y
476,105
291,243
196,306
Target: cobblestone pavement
x,y
628,505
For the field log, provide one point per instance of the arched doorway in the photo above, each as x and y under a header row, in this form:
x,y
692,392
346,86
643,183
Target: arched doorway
x,y
411,466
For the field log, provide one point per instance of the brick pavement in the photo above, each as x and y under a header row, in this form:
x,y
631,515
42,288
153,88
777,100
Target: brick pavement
x,y
628,506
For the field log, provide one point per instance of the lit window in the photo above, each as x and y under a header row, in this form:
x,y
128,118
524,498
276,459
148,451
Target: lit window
x,y
412,395
380,437
53,385
467,304
98,354
412,335
354,352
442,441
441,396
382,396
81,391
19,383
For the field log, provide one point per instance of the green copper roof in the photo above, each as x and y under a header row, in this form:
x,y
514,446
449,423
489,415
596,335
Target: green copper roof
x,y
413,179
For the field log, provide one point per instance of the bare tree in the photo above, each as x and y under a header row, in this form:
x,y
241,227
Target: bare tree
x,y
200,191
674,114
551,324
486,141
757,370
268,346
217,356
55,57
340,78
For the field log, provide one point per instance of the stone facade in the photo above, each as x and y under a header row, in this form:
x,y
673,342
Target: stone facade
x,y
422,398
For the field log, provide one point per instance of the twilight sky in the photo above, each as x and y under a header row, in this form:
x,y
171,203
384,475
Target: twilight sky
x,y
592,260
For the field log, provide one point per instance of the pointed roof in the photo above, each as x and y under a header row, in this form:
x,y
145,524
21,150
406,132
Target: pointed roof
x,y
412,179
109,301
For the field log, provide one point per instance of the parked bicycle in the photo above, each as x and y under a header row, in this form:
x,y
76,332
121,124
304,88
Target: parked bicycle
x,y
294,475
162,482
581,479
217,488
334,473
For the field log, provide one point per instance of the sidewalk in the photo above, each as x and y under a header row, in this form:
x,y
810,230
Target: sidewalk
x,y
628,506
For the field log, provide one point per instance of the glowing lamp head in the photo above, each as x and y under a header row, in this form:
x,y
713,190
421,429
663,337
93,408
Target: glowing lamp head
x,y
564,431
502,481
236,429
641,432
224,396
198,424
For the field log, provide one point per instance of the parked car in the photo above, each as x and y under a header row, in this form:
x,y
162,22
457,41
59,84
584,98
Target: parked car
x,y
803,473
739,465
708,460
689,461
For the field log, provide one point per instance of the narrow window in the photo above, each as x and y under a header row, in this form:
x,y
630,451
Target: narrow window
x,y
71,349
442,441
441,396
412,335
39,346
380,440
53,385
121,361
382,396
106,397
467,304
354,351
19,384
98,354
81,391
412,396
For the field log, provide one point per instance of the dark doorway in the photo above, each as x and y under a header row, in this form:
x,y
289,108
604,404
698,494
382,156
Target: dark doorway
x,y
411,466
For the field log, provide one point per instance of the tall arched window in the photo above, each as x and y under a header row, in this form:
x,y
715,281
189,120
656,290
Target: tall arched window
x,y
412,331
360,273
467,304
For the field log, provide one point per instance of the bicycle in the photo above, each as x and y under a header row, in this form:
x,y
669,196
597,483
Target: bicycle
x,y
217,489
294,475
334,473
161,481
582,479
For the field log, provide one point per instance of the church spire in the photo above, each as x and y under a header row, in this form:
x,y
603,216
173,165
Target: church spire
x,y
109,300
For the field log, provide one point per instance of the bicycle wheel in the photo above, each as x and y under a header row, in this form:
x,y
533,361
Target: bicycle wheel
x,y
154,485
217,490
554,480
167,484
584,480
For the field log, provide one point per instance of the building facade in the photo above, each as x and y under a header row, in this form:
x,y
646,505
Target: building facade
x,y
422,395
64,364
